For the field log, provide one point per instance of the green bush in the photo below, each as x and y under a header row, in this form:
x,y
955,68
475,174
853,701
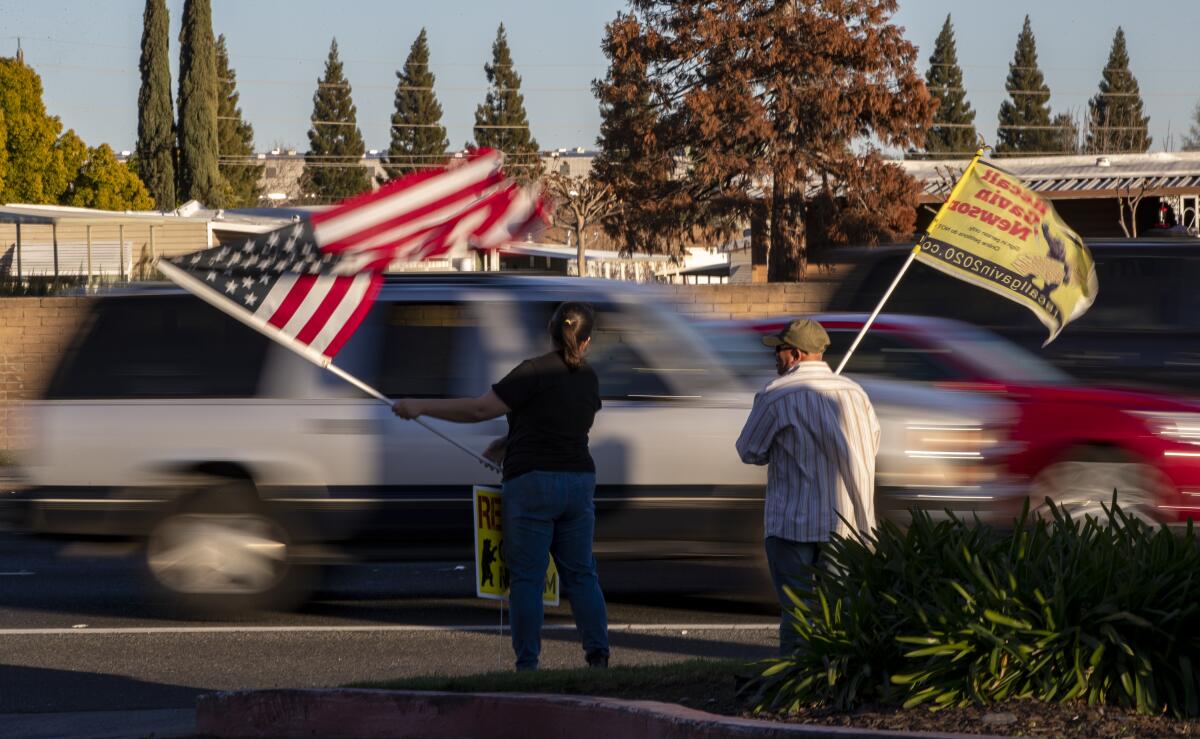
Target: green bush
x,y
949,613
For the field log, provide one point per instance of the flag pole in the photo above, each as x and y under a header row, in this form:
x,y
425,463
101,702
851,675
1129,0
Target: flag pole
x,y
385,399
875,314
908,262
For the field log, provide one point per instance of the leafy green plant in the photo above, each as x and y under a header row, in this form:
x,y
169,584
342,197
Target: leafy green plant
x,y
952,613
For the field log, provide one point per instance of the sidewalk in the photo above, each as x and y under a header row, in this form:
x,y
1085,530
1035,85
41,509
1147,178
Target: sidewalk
x,y
388,713
430,715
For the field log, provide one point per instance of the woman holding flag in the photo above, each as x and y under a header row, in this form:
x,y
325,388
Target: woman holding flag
x,y
549,479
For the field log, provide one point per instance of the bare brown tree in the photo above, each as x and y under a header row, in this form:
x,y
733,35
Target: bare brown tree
x,y
580,203
758,100
1126,199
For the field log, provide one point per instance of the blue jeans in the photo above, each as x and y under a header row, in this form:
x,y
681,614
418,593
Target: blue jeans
x,y
791,564
552,513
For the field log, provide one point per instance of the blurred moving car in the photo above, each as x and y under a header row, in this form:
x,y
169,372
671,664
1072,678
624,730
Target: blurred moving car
x,y
239,463
1071,442
1144,328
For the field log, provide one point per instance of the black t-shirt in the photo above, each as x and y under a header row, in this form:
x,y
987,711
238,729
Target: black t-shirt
x,y
552,409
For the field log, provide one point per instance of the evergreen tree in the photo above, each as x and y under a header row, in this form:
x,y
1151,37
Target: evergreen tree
x,y
953,130
1115,120
156,117
501,122
103,182
333,168
235,139
1191,142
633,159
199,176
418,137
1029,104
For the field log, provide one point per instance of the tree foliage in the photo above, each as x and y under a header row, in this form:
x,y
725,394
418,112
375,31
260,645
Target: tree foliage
x,y
1025,126
953,130
40,166
1115,121
333,168
155,148
637,154
500,121
418,137
235,139
199,176
105,183
756,100
34,163
70,154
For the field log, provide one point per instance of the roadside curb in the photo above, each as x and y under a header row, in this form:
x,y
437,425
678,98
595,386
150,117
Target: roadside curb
x,y
435,715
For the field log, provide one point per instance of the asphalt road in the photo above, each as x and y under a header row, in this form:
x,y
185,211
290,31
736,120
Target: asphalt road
x,y
80,631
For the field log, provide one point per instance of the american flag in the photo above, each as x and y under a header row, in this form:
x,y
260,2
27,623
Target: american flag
x,y
309,284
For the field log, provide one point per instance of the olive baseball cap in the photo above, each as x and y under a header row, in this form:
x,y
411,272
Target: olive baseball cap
x,y
805,334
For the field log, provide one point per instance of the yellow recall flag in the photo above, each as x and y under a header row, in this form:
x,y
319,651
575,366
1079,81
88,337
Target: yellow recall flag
x,y
995,232
491,574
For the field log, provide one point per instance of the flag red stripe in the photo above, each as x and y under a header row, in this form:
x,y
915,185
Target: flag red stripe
x,y
293,300
368,197
329,303
360,312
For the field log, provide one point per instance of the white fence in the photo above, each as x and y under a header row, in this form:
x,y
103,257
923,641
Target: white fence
x,y
103,259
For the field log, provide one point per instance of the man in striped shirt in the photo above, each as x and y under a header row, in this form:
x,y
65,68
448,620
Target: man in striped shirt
x,y
818,434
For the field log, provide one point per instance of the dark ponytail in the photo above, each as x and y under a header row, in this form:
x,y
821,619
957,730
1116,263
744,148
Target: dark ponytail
x,y
570,327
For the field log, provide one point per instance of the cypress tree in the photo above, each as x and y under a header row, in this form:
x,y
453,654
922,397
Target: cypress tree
x,y
333,167
199,177
1029,103
235,138
156,116
953,130
501,122
418,137
1115,120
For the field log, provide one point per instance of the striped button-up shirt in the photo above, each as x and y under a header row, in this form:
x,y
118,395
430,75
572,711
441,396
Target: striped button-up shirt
x,y
818,434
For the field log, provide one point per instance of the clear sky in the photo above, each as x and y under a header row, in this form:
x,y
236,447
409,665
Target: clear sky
x,y
87,54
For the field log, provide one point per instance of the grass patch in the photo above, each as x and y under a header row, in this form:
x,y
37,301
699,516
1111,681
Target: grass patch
x,y
709,685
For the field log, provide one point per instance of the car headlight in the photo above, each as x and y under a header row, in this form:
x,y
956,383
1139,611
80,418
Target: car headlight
x,y
1180,427
944,441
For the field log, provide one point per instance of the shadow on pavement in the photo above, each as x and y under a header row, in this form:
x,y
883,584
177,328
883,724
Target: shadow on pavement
x,y
42,690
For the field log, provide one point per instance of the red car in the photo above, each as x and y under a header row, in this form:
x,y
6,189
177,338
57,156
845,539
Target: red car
x,y
1073,443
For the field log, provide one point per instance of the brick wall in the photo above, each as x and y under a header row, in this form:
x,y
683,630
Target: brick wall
x,y
32,333
756,300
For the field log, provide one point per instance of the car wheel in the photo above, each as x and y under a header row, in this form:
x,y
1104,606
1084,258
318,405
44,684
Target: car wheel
x,y
1082,483
221,553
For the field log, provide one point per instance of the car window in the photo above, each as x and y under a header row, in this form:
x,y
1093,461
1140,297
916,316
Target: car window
x,y
1136,292
887,355
619,353
427,349
160,347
